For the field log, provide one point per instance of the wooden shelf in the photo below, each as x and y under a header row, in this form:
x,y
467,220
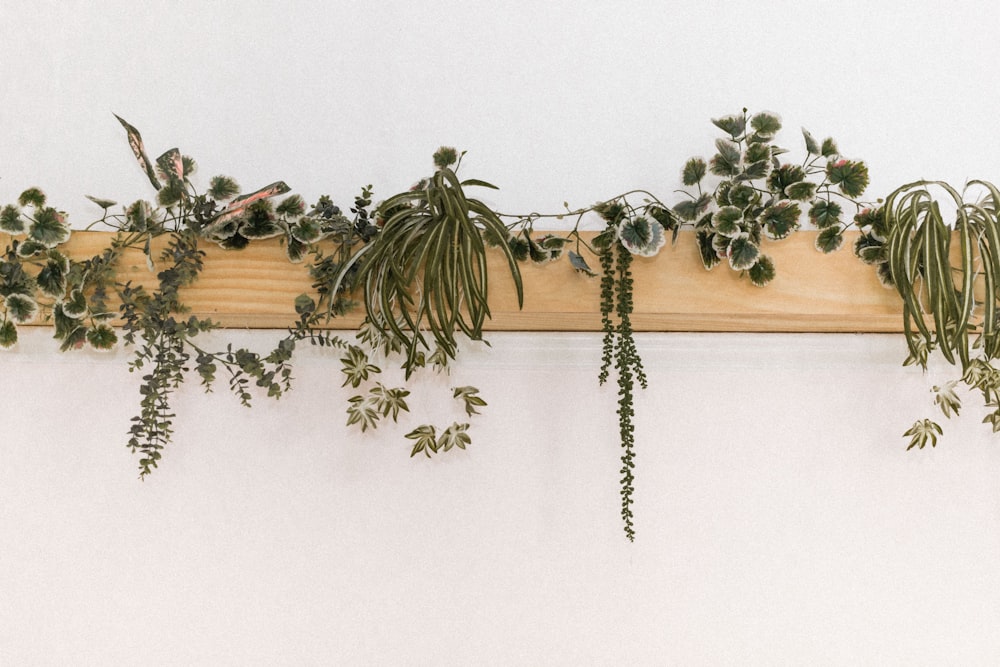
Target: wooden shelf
x,y
256,288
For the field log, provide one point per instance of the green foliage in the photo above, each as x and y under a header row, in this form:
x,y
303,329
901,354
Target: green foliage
x,y
417,261
432,239
758,195
619,348
910,242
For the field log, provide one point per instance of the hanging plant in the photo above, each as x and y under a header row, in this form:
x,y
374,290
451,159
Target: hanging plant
x,y
426,269
417,262
910,241
628,233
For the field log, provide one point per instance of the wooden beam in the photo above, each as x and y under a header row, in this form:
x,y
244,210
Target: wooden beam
x,y
256,288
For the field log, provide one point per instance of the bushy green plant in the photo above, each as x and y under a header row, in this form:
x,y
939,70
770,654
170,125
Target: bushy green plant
x,y
759,195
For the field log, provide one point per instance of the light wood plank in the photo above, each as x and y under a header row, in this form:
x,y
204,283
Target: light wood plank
x,y
256,288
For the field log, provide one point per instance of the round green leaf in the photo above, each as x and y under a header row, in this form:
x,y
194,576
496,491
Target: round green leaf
x,y
801,191
784,176
20,307
11,220
742,195
762,272
829,239
780,219
642,236
765,125
824,213
694,171
8,334
743,253
726,220
850,176
49,228
102,337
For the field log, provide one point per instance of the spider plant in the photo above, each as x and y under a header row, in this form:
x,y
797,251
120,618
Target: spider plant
x,y
938,286
426,270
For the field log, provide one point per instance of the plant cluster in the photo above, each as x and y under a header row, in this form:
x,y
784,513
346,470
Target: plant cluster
x,y
759,195
949,294
417,264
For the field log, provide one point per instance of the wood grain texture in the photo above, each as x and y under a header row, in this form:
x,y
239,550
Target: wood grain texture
x,y
256,288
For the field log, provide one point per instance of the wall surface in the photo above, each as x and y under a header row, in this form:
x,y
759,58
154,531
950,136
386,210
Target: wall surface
x,y
780,520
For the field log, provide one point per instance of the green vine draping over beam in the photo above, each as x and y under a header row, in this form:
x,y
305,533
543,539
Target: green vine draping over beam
x,y
417,263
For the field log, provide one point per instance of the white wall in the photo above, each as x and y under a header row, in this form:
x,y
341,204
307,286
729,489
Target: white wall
x,y
780,520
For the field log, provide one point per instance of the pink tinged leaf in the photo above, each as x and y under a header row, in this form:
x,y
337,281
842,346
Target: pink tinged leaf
x,y
135,141
171,164
239,204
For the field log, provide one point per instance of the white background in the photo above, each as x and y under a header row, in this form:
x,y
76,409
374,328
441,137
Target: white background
x,y
780,519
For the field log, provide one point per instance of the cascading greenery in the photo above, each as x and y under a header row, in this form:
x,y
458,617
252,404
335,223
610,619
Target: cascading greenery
x,y
418,263
911,241
427,267
618,344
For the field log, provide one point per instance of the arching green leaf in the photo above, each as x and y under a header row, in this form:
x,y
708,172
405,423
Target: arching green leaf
x,y
829,148
690,209
706,249
801,191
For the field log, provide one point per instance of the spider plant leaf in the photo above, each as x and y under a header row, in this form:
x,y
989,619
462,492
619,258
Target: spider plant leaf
x,y
476,182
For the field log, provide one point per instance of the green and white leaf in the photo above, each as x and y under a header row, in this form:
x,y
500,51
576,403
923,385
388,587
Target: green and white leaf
x,y
425,440
923,432
454,436
470,397
946,398
362,412
727,221
356,367
642,236
734,125
829,239
742,252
